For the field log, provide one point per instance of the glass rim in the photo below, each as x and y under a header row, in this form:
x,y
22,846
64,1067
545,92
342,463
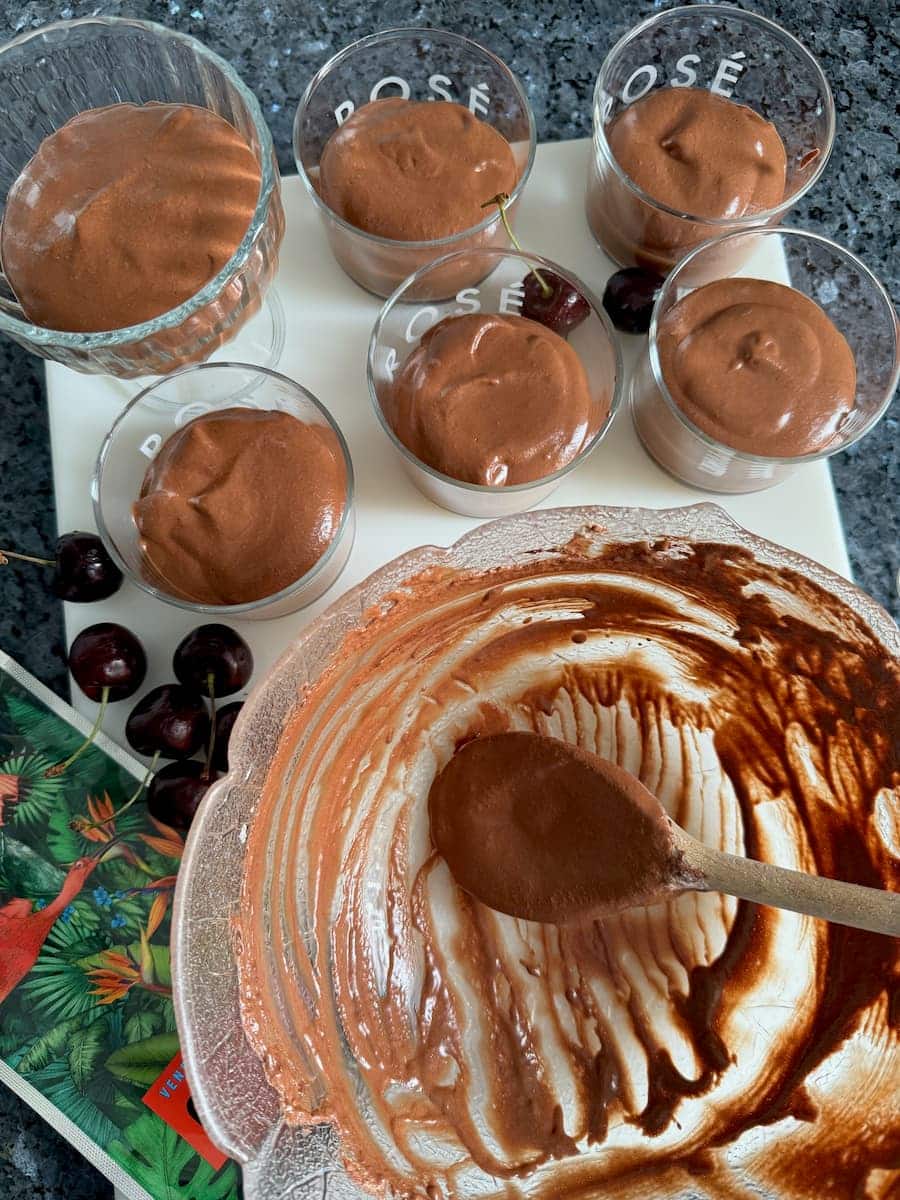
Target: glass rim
x,y
601,142
488,489
41,335
248,606
780,231
396,34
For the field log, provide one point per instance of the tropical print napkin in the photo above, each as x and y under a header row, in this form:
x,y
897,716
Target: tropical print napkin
x,y
87,1032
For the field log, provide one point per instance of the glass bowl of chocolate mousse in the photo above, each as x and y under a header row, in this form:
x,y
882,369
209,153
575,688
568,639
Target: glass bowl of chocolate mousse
x,y
401,139
142,213
493,397
354,1025
227,489
744,380
706,119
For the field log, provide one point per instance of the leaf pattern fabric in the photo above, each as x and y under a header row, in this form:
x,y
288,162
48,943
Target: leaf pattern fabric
x,y
90,1024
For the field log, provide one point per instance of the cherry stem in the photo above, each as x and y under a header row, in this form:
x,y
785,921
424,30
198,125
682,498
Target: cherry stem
x,y
52,772
501,200
211,689
128,803
6,555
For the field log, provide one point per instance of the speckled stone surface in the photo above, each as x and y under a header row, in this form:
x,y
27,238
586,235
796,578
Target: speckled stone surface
x,y
556,48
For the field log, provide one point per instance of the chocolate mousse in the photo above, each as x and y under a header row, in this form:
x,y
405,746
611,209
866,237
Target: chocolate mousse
x,y
414,170
757,366
493,400
700,154
239,504
546,831
124,213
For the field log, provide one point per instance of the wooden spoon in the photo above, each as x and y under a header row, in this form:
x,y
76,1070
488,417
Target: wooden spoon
x,y
542,830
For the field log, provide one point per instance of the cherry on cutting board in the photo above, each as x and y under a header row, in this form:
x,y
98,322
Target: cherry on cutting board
x,y
82,570
553,302
107,658
629,298
225,719
175,792
171,720
213,660
548,298
108,663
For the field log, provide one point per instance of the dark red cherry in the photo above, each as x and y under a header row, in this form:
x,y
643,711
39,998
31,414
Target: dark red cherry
x,y
225,719
217,651
175,792
107,656
553,302
82,570
629,298
170,720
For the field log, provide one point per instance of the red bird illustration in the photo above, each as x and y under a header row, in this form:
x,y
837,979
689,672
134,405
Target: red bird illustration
x,y
24,931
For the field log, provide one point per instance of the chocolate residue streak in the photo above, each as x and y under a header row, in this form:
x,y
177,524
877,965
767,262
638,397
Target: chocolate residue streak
x,y
462,1052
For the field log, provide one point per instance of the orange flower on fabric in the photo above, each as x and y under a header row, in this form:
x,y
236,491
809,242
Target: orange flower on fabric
x,y
170,844
115,978
9,791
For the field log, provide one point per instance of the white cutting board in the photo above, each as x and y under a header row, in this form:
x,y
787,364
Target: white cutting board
x,y
329,320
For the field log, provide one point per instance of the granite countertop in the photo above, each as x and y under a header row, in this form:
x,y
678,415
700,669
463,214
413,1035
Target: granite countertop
x,y
556,48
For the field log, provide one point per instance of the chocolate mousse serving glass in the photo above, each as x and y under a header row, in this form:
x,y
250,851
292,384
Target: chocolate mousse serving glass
x,y
736,55
851,297
405,319
412,64
167,406
48,76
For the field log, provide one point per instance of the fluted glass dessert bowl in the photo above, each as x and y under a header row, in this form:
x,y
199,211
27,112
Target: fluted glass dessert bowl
x,y
48,76
354,1026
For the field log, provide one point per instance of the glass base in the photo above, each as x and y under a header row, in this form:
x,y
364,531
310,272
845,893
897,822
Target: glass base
x,y
258,343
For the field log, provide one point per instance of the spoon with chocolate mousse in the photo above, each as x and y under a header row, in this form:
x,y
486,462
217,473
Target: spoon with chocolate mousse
x,y
542,830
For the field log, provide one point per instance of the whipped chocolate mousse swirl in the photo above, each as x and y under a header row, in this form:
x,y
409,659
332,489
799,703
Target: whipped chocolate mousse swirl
x,y
463,1053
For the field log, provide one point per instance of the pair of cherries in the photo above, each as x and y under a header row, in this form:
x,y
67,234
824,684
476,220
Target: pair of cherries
x,y
552,301
108,663
628,299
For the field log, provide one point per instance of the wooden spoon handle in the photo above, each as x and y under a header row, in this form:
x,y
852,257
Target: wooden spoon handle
x,y
797,891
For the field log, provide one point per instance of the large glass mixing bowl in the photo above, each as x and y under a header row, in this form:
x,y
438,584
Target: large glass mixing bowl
x,y
326,966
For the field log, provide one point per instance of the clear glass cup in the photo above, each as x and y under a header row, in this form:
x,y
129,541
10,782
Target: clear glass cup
x,y
403,321
153,416
735,54
851,297
416,64
51,74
